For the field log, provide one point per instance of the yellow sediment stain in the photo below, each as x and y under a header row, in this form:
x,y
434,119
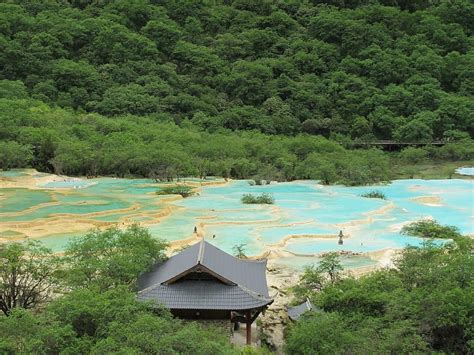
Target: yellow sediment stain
x,y
74,223
28,210
284,242
359,222
434,201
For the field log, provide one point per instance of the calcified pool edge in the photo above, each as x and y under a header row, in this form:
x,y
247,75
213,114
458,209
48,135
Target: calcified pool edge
x,y
74,223
302,225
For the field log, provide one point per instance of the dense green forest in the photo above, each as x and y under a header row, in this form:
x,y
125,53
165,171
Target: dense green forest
x,y
423,305
233,88
64,142
84,302
363,68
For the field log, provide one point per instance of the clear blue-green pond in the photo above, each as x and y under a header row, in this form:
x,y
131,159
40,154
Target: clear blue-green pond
x,y
302,208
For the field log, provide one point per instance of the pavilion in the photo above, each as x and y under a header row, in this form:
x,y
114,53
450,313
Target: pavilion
x,y
204,282
295,313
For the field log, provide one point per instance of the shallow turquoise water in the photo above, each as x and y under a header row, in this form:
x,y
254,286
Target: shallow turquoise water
x,y
367,243
76,184
70,208
111,217
17,200
93,196
298,263
272,235
12,173
308,208
466,171
58,242
227,237
301,208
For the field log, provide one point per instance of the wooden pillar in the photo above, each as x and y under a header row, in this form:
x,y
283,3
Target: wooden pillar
x,y
248,327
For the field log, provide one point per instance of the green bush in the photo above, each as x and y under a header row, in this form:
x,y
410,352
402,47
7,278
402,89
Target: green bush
x,y
422,305
413,155
182,190
264,198
374,194
430,229
239,251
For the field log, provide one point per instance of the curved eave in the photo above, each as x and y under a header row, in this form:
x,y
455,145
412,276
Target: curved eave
x,y
204,295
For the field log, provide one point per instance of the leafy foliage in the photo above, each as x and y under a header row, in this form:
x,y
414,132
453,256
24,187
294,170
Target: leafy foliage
x,y
282,70
91,321
113,257
183,190
27,275
239,251
374,194
423,305
264,198
90,144
351,71
430,229
315,278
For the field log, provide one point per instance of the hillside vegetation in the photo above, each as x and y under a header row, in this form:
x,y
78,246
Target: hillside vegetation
x,y
422,305
182,87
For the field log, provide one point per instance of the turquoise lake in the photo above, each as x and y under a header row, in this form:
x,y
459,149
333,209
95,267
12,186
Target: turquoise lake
x,y
312,212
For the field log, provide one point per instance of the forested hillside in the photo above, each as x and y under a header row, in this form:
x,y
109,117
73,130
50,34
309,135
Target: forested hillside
x,y
77,76
401,71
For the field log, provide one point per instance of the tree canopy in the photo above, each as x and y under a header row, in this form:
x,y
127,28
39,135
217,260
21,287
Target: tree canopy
x,y
27,275
368,69
112,257
243,90
95,309
423,304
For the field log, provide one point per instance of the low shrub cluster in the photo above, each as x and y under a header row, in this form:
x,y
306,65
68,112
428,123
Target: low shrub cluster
x,y
426,228
183,190
264,198
374,194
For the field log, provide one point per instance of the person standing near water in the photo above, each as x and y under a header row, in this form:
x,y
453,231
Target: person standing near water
x,y
195,230
341,241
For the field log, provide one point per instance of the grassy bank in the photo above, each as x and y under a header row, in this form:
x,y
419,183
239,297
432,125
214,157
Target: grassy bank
x,y
430,170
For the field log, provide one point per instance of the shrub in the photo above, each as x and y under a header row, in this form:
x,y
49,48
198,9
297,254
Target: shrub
x,y
374,194
182,190
430,229
264,198
239,251
256,182
413,155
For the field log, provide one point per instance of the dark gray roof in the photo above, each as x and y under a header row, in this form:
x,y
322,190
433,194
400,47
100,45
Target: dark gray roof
x,y
208,295
247,273
297,311
244,283
175,265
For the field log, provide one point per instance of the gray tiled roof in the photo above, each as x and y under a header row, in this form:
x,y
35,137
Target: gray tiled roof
x,y
297,311
245,283
248,273
203,295
175,265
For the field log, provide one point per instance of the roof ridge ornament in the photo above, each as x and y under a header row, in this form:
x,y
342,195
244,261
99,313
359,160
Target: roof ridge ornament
x,y
201,252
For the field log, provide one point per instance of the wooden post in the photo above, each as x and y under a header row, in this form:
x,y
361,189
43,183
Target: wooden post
x,y
248,327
